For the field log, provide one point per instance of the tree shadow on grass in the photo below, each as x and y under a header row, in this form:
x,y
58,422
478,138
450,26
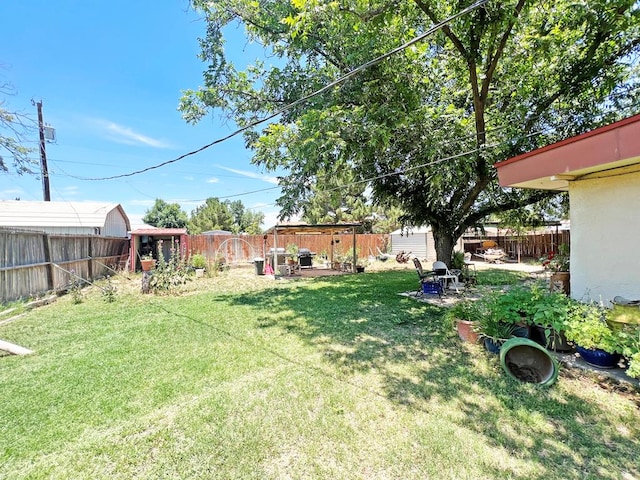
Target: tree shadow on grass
x,y
360,324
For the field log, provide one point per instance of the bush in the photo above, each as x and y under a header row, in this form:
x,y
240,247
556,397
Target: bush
x,y
198,261
587,327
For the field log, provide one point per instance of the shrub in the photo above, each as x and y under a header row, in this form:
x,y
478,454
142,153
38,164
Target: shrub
x,y
588,328
198,261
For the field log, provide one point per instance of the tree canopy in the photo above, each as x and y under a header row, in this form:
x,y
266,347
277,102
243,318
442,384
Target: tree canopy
x,y
212,215
14,126
422,128
165,215
227,215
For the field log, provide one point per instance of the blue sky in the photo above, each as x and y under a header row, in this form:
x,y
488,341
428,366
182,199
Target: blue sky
x,y
110,75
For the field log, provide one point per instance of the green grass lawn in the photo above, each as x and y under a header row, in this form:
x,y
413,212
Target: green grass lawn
x,y
244,377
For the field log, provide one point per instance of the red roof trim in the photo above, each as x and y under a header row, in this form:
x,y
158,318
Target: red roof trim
x,y
568,141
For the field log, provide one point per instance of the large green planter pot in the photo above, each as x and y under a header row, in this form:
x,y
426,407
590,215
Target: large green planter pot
x,y
527,361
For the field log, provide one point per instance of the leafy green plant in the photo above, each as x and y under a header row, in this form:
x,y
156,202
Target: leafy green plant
x,y
515,305
169,275
491,327
628,337
198,261
588,328
457,260
553,311
470,310
75,289
109,291
292,250
492,323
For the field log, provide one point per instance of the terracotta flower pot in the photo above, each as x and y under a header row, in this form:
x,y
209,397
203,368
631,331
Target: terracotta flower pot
x,y
560,282
148,264
466,331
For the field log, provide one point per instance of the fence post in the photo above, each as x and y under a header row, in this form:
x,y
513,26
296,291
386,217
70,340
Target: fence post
x,y
90,259
46,243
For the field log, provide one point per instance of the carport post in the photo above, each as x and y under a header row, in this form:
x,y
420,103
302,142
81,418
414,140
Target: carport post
x,y
275,249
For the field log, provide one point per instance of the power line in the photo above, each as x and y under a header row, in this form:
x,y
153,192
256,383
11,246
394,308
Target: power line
x,y
303,99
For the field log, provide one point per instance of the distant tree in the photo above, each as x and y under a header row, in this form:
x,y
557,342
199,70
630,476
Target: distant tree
x,y
251,222
331,203
165,215
227,215
244,220
212,215
14,126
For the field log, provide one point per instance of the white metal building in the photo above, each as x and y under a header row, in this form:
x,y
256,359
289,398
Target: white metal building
x,y
75,218
419,241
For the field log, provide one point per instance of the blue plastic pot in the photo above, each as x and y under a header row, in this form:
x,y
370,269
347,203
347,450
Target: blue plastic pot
x,y
491,346
598,358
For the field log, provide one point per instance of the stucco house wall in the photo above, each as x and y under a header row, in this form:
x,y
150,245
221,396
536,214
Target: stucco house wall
x,y
605,229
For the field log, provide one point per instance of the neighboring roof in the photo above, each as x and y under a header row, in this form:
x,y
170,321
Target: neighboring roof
x,y
411,231
160,231
310,229
592,154
28,214
217,232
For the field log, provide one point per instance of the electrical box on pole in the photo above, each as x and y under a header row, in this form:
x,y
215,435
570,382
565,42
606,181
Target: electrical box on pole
x,y
43,156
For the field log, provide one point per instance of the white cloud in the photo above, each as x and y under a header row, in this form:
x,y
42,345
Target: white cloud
x,y
257,176
126,135
213,180
11,193
70,190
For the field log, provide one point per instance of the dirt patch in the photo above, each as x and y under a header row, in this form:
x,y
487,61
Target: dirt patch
x,y
525,373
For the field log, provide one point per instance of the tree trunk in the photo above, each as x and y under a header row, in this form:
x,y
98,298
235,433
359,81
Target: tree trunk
x,y
444,243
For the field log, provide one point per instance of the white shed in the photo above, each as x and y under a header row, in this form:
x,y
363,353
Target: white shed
x,y
75,218
419,241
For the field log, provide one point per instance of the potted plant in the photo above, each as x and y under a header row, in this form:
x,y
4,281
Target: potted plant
x,y
292,250
360,266
465,316
494,332
515,307
552,313
558,264
199,264
147,262
596,342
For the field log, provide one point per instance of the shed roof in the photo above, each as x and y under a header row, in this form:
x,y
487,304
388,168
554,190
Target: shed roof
x,y
609,150
30,214
308,229
160,231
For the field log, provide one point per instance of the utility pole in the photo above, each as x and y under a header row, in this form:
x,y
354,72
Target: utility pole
x,y
43,156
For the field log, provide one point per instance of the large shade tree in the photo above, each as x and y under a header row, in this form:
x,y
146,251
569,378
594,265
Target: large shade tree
x,y
424,127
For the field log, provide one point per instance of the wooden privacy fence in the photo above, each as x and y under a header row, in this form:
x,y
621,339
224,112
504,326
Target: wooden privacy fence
x,y
529,246
244,248
32,263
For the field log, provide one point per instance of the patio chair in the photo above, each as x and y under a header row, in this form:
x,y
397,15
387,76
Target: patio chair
x,y
469,275
428,281
443,274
